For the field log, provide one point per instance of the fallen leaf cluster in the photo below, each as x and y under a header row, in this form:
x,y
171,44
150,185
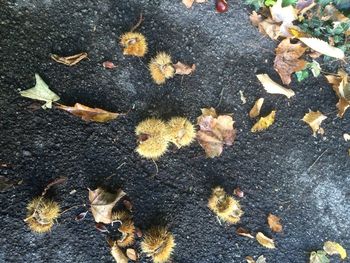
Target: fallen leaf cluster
x,y
329,248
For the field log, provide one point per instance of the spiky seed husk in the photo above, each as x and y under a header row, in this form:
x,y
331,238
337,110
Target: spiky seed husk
x,y
161,68
127,228
41,214
153,138
135,44
224,206
158,243
181,131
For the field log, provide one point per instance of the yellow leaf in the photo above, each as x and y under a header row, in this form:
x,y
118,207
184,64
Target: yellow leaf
x,y
333,248
70,60
314,119
272,87
265,241
255,111
264,122
323,47
89,114
132,254
41,92
274,223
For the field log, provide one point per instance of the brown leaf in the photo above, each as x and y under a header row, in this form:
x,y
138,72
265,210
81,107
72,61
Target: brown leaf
x,y
265,241
270,28
189,3
90,114
59,180
138,232
341,87
255,111
118,254
215,132
249,259
102,203
70,60
274,223
333,14
238,192
108,65
288,60
314,119
101,227
132,254
128,205
243,232
81,216
183,69
255,18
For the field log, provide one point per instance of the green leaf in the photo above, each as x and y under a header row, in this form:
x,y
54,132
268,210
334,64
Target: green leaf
x,y
302,74
319,257
41,92
270,2
324,2
315,68
288,2
256,3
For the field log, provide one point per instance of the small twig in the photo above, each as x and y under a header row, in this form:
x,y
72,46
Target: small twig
x,y
221,95
120,166
143,64
318,158
72,207
157,170
138,23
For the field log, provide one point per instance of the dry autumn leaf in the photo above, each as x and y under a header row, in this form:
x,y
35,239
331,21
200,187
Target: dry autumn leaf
x,y
244,232
270,28
265,241
288,60
70,60
118,254
323,47
314,119
261,259
255,111
318,257
109,65
264,122
249,259
189,3
41,92
286,15
333,248
274,88
89,114
274,223
132,254
183,69
102,203
341,87
215,132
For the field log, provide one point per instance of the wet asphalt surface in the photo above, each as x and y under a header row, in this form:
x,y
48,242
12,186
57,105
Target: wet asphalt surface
x,y
276,169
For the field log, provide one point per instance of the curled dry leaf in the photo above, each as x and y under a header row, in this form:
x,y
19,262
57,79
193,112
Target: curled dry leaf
x,y
215,132
102,203
81,216
288,60
249,259
272,87
244,232
255,19
333,248
265,241
101,227
118,254
109,65
238,192
255,111
128,205
264,122
341,87
138,232
132,254
323,47
274,223
314,119
261,259
89,114
41,92
318,257
183,69
70,60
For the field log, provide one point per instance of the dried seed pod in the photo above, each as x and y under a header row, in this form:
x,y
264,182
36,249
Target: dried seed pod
x,y
161,68
153,139
158,243
134,44
181,131
226,207
41,214
127,228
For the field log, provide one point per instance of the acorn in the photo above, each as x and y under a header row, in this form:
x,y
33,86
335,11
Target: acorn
x,y
42,214
181,131
221,6
158,243
134,44
161,68
127,228
224,206
153,139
